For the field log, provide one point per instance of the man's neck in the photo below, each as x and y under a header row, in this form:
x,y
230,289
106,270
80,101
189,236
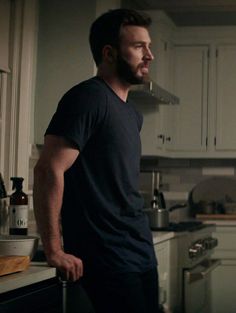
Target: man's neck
x,y
119,87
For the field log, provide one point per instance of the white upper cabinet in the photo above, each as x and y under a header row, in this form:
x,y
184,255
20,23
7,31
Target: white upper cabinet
x,y
4,34
201,71
203,125
198,65
188,129
226,98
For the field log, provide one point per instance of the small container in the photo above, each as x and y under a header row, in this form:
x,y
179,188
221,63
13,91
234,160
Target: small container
x,y
18,210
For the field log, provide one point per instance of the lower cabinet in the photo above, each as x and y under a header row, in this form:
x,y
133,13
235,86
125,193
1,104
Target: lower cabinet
x,y
170,290
224,276
44,297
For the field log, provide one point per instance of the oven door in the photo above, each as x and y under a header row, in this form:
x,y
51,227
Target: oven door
x,y
197,297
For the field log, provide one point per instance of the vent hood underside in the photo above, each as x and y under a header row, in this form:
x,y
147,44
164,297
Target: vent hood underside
x,y
151,93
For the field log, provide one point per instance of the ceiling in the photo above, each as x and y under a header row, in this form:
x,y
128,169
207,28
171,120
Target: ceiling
x,y
191,12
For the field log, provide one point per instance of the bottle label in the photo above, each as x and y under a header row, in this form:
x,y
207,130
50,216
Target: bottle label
x,y
18,216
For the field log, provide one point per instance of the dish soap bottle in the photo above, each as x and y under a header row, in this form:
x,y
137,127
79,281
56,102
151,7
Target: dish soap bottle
x,y
18,210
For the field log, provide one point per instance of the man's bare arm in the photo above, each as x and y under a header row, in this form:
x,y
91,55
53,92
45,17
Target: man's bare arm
x,y
57,156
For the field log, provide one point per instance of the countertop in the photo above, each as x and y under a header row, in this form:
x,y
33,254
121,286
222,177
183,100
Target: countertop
x,y
160,236
37,272
40,271
224,222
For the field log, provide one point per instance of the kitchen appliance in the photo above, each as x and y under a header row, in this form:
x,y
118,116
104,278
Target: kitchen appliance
x,y
193,264
151,93
196,267
158,217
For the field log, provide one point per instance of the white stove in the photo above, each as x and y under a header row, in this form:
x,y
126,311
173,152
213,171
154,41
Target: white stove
x,y
189,272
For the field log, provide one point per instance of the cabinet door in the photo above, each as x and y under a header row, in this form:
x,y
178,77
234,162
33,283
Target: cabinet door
x,y
4,34
188,121
225,98
223,287
223,283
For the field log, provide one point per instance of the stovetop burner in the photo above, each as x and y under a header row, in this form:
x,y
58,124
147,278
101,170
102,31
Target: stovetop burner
x,y
181,226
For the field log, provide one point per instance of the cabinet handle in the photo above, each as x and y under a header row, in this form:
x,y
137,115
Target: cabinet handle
x,y
161,136
168,138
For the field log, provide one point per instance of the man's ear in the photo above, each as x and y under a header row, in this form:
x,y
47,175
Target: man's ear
x,y
109,53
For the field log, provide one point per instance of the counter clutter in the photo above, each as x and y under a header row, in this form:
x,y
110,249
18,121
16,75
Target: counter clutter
x,y
40,271
40,281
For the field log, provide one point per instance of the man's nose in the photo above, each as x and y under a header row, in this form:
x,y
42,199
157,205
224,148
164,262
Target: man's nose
x,y
148,54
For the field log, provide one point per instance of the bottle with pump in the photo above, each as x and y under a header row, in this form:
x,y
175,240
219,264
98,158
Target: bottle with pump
x,y
18,210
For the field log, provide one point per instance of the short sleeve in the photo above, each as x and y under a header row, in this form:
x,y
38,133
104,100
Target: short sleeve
x,y
80,112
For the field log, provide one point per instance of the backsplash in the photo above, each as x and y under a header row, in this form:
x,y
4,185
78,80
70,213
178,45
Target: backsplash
x,y
179,176
176,175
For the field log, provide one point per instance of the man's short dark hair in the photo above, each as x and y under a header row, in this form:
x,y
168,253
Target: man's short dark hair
x,y
105,30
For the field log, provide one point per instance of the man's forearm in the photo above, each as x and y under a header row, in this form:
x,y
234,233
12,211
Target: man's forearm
x,y
47,194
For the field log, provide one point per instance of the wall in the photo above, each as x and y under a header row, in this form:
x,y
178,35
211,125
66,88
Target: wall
x,y
63,57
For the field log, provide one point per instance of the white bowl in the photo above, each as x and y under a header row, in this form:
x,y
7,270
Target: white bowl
x,y
18,245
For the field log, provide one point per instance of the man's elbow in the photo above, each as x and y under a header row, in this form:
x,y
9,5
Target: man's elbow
x,y
40,171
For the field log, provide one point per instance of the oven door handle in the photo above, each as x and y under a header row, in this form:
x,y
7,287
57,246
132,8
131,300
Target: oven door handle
x,y
209,265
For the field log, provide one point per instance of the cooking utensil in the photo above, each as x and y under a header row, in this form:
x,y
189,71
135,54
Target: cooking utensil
x,y
158,218
18,245
158,214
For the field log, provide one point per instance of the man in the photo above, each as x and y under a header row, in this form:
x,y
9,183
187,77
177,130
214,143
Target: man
x,y
87,176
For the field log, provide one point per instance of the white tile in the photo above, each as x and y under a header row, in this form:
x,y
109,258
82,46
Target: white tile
x,y
218,171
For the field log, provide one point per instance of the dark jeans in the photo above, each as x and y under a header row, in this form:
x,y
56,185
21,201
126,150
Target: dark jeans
x,y
123,292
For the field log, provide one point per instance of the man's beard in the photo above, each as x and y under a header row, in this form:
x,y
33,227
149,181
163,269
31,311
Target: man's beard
x,y
126,74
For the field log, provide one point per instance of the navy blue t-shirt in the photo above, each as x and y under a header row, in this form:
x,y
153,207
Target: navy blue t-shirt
x,y
102,218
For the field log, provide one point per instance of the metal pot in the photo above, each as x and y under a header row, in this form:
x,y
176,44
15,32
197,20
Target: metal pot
x,y
158,217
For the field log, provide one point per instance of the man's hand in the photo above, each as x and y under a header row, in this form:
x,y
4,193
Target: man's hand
x,y
70,267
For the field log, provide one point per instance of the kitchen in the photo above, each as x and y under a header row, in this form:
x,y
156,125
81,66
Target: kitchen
x,y
185,160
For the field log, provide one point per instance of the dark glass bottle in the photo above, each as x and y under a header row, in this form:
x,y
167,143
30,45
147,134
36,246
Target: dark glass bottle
x,y
18,210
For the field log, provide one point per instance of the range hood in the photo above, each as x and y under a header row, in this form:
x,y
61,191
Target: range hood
x,y
152,93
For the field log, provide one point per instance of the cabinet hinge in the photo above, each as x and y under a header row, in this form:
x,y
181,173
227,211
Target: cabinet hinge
x,y
215,141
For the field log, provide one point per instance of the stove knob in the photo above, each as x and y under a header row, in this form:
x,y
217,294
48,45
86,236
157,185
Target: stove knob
x,y
193,252
200,248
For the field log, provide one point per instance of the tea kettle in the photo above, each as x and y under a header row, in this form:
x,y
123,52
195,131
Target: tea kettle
x,y
158,214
